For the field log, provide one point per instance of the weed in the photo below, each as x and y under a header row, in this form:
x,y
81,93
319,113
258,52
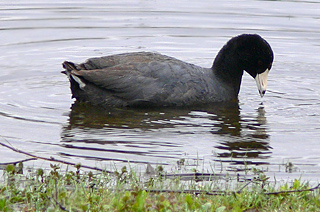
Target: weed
x,y
125,190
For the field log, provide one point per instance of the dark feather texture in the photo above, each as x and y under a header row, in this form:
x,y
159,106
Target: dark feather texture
x,y
145,78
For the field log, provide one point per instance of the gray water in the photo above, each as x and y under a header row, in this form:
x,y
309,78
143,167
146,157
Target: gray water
x,y
37,114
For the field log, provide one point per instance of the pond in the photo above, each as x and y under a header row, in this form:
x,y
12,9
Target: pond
x,y
37,114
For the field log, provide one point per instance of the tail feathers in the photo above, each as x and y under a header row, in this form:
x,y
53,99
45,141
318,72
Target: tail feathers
x,y
69,67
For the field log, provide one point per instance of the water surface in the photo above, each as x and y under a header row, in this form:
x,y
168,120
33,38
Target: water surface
x,y
37,113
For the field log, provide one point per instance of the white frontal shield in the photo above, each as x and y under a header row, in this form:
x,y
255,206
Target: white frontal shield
x,y
262,80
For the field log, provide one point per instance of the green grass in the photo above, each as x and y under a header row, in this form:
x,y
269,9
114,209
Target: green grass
x,y
54,190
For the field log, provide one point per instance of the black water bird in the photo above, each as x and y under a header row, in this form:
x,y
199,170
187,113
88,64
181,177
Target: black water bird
x,y
152,79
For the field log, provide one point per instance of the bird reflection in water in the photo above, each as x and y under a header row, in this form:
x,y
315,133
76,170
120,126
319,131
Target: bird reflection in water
x,y
245,140
236,138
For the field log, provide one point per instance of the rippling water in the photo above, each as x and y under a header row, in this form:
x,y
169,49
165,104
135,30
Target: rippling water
x,y
38,116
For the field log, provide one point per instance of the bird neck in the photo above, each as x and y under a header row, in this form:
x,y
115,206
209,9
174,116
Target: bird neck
x,y
228,70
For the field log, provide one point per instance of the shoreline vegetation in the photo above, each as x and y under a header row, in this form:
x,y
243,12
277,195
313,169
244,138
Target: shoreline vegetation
x,y
76,189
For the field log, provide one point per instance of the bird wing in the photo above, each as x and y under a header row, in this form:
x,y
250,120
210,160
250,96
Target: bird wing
x,y
146,77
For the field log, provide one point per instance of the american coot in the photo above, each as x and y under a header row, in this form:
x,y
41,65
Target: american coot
x,y
152,79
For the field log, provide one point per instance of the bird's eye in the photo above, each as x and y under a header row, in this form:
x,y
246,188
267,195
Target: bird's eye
x,y
270,66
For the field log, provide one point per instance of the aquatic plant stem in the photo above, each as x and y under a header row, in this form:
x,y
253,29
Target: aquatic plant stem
x,y
50,159
293,191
